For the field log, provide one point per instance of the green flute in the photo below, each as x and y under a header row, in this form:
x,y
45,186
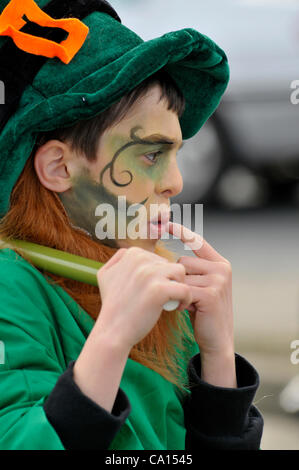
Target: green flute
x,y
65,264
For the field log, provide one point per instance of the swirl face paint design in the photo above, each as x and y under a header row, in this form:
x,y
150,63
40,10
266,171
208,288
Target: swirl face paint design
x,y
135,141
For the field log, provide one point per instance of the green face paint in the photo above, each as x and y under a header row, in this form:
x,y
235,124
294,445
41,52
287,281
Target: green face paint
x,y
133,149
82,200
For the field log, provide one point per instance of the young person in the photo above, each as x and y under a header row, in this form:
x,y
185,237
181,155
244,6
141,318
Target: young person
x,y
107,367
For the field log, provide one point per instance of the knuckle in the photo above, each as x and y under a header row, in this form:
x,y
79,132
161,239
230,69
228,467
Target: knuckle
x,y
146,270
134,250
137,254
188,292
181,270
154,289
213,292
142,271
181,267
227,267
220,280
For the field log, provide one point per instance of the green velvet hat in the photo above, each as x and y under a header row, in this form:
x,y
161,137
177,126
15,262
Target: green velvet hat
x,y
44,93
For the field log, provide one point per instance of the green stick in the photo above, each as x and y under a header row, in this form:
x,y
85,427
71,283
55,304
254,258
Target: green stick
x,y
58,262
65,264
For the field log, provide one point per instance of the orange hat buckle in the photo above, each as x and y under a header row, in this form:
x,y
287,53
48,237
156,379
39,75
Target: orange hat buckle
x,y
11,22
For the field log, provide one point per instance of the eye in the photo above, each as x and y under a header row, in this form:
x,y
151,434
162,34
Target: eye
x,y
154,155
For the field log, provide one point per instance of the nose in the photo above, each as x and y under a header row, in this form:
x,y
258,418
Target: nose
x,y
171,182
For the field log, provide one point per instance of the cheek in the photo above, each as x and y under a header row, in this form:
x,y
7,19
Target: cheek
x,y
136,191
140,188
139,183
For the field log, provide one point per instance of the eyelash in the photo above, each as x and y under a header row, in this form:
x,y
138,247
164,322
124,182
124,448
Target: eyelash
x,y
153,153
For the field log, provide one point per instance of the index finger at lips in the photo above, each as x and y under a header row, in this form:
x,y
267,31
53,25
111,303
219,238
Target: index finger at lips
x,y
196,242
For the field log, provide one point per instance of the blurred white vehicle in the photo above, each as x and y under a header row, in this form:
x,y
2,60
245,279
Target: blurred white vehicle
x,y
253,137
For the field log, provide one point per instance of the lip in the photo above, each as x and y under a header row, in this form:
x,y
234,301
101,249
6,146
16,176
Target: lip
x,y
163,217
156,230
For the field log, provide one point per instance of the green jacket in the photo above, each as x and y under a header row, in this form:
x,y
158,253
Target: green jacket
x,y
42,329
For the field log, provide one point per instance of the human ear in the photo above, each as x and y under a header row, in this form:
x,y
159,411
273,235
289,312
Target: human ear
x,y
53,163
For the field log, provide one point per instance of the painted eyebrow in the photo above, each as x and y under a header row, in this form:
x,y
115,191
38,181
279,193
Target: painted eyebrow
x,y
162,139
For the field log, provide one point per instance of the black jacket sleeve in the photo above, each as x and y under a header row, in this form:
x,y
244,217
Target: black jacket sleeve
x,y
80,423
222,418
215,417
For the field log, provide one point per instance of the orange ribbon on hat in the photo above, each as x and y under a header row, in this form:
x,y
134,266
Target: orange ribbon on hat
x,y
11,22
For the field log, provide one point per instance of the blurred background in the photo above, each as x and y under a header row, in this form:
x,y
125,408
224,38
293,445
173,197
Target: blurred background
x,y
243,166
